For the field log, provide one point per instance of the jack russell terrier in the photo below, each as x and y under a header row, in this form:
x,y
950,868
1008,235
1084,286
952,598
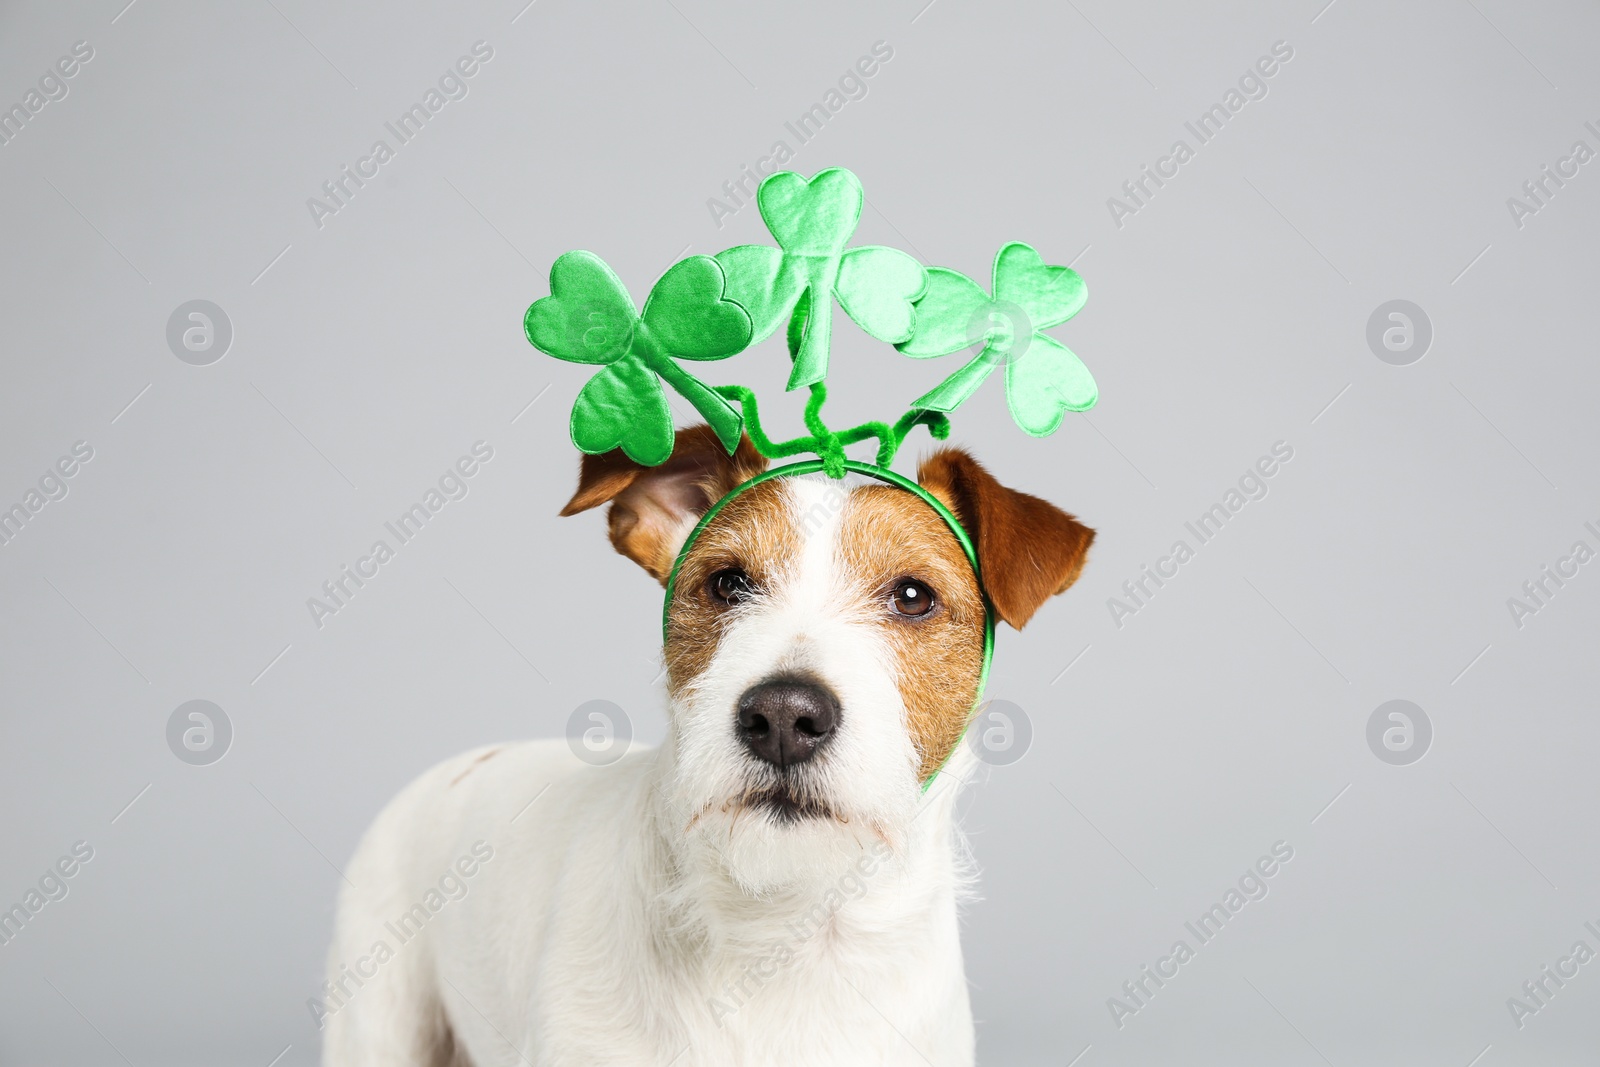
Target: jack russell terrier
x,y
773,885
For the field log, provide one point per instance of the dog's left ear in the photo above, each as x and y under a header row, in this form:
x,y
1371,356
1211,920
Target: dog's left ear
x,y
1028,549
654,509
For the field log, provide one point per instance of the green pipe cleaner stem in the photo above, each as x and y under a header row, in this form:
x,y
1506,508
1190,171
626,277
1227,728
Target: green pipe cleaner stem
x,y
826,443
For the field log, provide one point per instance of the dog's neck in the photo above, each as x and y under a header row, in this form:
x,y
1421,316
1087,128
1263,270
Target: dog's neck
x,y
875,888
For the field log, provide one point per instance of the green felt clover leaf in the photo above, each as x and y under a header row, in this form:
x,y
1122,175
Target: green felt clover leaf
x,y
812,221
1044,380
590,318
623,406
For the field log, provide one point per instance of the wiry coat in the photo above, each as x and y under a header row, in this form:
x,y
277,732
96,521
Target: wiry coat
x,y
516,905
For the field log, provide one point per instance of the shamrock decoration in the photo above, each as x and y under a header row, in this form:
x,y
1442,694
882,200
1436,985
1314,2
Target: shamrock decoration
x,y
1044,380
589,318
812,220
706,308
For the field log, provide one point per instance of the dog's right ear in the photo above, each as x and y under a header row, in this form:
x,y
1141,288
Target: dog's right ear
x,y
654,509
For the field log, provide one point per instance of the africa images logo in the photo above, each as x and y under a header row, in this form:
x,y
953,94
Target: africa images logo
x,y
452,85
1252,85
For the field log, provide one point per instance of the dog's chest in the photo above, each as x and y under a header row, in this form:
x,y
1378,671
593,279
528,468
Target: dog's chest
x,y
796,993
790,1003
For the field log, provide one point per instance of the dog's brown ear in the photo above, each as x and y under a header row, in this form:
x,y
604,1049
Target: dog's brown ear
x,y
1028,549
653,509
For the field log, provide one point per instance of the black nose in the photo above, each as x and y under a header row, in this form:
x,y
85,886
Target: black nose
x,y
785,721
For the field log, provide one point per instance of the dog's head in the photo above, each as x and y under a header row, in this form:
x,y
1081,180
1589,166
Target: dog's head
x,y
825,638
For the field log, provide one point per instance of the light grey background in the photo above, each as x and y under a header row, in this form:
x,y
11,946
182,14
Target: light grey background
x,y
1229,313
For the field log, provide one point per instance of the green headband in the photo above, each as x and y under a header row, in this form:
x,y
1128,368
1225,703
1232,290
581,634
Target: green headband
x,y
712,307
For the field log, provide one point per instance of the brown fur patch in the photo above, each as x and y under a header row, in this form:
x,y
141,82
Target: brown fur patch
x,y
654,508
888,534
755,532
1028,548
474,765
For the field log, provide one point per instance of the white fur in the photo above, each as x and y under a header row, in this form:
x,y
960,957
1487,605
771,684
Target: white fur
x,y
625,917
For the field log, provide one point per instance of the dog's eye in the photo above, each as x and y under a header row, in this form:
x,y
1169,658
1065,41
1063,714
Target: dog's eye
x,y
912,598
731,586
